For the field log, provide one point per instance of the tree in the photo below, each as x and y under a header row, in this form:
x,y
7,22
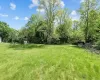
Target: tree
x,y
23,34
36,29
77,33
98,33
4,31
88,12
64,25
13,35
50,7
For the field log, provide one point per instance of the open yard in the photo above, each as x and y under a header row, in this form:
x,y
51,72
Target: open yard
x,y
47,62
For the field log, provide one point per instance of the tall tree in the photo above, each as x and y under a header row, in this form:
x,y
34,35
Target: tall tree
x,y
4,31
77,32
13,35
50,7
36,29
87,7
64,25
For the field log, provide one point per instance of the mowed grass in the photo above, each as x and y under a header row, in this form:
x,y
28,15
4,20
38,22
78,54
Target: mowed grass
x,y
47,62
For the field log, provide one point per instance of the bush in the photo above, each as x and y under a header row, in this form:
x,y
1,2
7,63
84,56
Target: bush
x,y
77,36
55,41
98,45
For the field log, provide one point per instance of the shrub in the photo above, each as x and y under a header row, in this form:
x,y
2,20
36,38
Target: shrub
x,y
98,45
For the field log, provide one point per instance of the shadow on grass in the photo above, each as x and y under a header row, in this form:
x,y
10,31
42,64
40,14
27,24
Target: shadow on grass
x,y
90,49
78,47
25,46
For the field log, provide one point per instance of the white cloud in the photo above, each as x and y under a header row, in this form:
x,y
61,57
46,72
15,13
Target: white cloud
x,y
74,15
81,1
26,18
34,3
12,6
31,6
73,12
40,10
62,4
16,18
3,15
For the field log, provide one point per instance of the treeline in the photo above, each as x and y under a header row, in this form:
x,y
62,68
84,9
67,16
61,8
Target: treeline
x,y
8,34
55,26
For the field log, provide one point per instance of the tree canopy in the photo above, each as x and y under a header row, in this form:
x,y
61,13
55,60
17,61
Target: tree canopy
x,y
55,25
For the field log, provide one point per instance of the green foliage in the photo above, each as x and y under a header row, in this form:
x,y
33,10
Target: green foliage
x,y
77,33
98,44
64,26
77,36
35,30
13,35
55,26
89,17
6,33
22,36
51,7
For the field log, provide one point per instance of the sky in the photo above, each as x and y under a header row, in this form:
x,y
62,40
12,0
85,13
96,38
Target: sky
x,y
17,12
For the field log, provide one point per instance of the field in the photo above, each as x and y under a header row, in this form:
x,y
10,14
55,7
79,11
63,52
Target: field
x,y
47,62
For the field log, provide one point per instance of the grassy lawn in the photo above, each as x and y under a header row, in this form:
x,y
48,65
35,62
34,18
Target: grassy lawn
x,y
47,62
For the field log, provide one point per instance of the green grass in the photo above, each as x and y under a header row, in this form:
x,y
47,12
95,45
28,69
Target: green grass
x,y
47,62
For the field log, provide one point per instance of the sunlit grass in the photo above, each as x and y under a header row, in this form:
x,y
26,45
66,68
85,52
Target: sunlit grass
x,y
47,62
